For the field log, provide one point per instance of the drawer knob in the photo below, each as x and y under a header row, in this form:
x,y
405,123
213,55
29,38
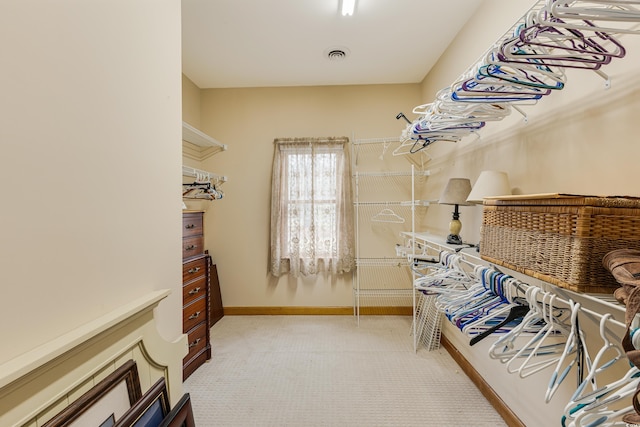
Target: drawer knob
x,y
195,343
189,226
194,270
194,315
190,247
194,291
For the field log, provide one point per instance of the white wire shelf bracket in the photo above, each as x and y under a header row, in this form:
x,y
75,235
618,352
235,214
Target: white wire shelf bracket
x,y
428,322
390,174
408,203
382,262
381,277
372,149
199,138
376,141
403,293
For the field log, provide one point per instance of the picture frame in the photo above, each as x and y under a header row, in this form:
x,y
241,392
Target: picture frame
x,y
105,402
150,410
181,415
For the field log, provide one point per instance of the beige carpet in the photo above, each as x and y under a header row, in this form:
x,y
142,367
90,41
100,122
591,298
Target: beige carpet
x,y
328,371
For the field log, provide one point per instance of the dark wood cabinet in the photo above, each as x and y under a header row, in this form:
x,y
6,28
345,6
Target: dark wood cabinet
x,y
201,298
196,273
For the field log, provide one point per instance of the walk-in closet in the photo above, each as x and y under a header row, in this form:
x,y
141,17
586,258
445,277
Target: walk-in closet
x,y
332,213
563,132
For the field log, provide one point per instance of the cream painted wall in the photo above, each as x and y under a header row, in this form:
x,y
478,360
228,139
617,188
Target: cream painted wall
x,y
248,120
492,19
191,115
190,102
89,170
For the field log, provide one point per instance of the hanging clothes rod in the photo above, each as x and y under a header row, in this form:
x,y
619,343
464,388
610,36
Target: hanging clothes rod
x,y
475,261
376,141
378,174
201,175
379,262
407,203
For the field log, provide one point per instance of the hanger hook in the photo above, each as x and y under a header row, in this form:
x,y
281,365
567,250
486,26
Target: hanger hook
x,y
402,116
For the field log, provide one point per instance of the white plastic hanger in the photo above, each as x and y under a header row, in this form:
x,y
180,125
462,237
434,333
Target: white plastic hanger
x,y
553,335
613,17
607,356
387,215
571,353
505,350
597,412
504,347
496,315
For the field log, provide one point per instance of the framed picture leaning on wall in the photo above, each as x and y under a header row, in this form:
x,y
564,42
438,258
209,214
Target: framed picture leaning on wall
x,y
181,415
150,410
105,402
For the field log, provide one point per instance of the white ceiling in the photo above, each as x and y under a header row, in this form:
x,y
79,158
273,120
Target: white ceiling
x,y
261,43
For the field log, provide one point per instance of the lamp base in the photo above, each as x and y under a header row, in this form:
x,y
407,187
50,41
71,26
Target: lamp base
x,y
454,239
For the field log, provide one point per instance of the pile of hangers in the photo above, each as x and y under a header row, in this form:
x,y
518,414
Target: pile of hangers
x,y
202,190
528,63
534,331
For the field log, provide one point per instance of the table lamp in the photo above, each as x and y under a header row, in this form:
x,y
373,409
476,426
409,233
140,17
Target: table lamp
x,y
455,193
489,183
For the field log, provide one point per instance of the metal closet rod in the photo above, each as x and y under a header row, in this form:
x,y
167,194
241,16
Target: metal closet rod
x,y
375,141
198,173
382,174
407,203
524,286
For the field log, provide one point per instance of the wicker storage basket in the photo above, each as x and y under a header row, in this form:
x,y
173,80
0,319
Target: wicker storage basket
x,y
560,238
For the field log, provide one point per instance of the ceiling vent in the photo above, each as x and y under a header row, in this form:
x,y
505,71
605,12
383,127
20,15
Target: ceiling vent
x,y
337,53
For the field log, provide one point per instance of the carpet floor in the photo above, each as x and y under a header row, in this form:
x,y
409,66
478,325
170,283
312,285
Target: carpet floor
x,y
330,371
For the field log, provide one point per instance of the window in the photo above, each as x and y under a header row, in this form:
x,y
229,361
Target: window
x,y
311,217
310,201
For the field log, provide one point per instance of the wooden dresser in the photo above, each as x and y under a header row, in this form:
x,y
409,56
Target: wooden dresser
x,y
196,273
216,310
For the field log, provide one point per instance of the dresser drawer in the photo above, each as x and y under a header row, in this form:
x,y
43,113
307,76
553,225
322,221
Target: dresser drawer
x,y
189,366
194,269
192,224
194,313
197,340
194,290
192,246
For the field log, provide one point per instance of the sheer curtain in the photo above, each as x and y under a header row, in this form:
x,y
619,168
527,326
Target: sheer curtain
x,y
311,207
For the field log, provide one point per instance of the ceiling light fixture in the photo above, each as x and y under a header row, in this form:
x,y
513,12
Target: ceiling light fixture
x,y
348,6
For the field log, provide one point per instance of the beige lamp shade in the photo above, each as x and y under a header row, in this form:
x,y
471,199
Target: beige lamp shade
x,y
489,184
456,192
